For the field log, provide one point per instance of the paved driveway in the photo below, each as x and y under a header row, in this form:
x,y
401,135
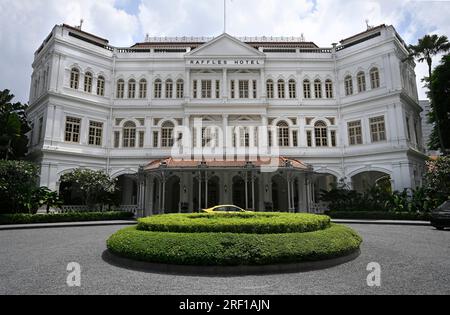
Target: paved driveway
x,y
414,260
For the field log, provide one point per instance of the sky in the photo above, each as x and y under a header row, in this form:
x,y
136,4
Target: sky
x,y
24,24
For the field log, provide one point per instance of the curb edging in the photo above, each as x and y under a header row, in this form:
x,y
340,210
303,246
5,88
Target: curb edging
x,y
64,225
225,271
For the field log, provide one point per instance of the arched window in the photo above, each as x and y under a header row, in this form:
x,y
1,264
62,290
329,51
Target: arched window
x,y
306,89
88,82
158,88
120,88
132,88
167,139
74,79
283,134
318,88
169,88
321,134
129,135
180,88
281,89
348,85
329,89
143,89
375,78
361,82
292,89
270,89
101,86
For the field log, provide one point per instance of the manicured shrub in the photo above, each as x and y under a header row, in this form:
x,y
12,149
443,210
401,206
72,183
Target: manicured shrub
x,y
6,219
374,215
228,249
250,222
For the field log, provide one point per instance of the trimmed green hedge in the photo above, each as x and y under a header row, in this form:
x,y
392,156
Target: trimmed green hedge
x,y
227,249
6,219
366,215
249,222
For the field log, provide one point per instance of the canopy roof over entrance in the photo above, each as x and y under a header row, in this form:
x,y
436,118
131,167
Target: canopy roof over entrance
x,y
275,163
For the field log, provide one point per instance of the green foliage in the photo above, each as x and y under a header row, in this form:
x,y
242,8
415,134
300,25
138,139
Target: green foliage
x,y
6,219
250,223
375,215
13,127
437,181
18,183
440,85
228,249
95,187
45,197
378,199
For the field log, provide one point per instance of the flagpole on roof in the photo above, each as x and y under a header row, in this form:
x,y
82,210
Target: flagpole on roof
x,y
224,16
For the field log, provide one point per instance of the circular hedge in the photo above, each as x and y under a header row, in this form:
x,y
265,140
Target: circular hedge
x,y
245,223
231,249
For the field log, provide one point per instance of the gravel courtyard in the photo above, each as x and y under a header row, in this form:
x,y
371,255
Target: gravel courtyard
x,y
414,260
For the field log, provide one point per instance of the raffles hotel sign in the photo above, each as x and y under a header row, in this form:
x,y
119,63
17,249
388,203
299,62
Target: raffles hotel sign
x,y
225,63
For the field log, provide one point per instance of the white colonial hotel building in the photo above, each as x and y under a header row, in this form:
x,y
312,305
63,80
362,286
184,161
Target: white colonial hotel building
x,y
347,112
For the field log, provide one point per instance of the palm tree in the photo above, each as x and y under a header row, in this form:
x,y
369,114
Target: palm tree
x,y
428,47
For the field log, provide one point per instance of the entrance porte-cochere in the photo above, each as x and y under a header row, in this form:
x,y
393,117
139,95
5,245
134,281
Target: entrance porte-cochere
x,y
180,186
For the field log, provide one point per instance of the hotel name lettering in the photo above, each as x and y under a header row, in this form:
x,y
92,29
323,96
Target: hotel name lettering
x,y
226,63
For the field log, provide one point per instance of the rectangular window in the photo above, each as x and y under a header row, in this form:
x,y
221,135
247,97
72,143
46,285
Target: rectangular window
x,y
333,138
217,89
141,139
73,126
378,129
270,140
158,89
318,89
132,89
233,92
120,89
309,138
155,139
169,89
116,139
307,89
355,133
206,89
408,129
270,89
143,89
292,89
281,89
194,89
41,129
255,89
329,89
95,133
243,89
295,138
101,87
180,89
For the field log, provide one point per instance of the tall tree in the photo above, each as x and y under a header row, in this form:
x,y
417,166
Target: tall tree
x,y
428,47
13,127
440,85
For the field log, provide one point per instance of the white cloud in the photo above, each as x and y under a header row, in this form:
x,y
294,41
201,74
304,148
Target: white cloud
x,y
25,23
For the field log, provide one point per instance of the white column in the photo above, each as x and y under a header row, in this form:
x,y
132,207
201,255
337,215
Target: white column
x,y
263,83
224,84
187,86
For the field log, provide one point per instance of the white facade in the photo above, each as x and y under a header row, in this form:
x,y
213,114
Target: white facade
x,y
358,121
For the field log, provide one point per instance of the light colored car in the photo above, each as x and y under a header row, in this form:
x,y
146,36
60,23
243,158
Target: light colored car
x,y
224,208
